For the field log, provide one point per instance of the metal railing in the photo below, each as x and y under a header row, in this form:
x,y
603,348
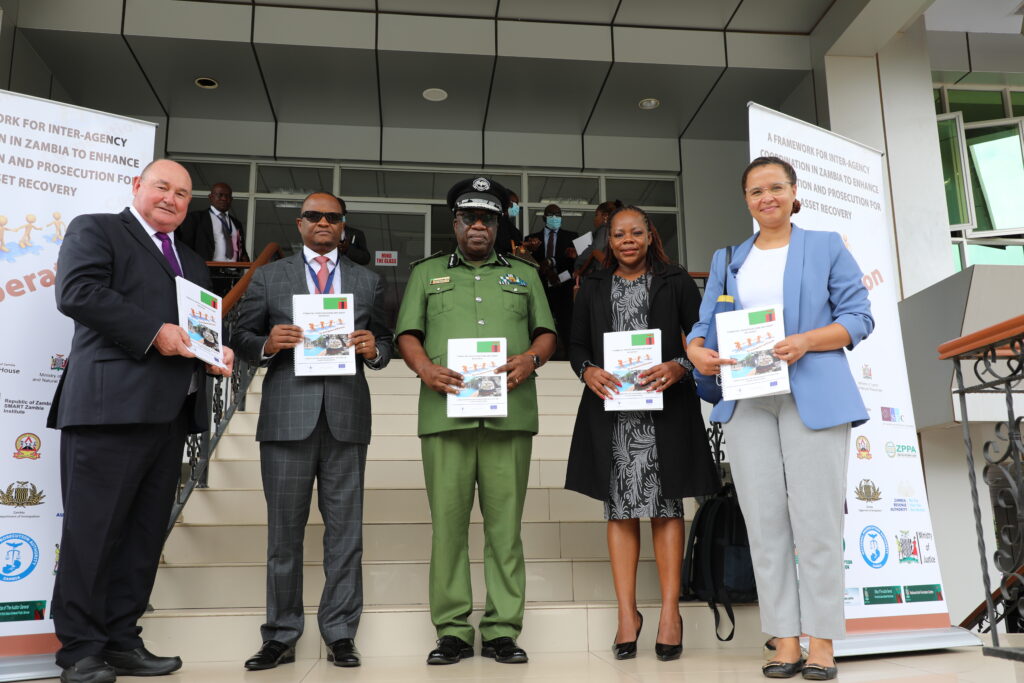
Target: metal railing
x,y
994,362
224,396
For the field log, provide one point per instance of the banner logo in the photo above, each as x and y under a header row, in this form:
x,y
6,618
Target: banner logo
x,y
931,592
883,595
874,548
891,414
27,447
20,557
26,610
21,494
863,448
867,491
865,371
58,362
906,548
902,450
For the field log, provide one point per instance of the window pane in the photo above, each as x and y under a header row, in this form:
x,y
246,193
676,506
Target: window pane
x,y
977,105
205,176
275,222
1017,103
952,172
668,229
297,180
642,193
410,184
957,263
563,190
442,236
997,175
937,92
576,221
1010,255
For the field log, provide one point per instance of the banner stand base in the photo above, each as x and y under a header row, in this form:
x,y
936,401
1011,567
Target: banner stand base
x,y
882,642
28,667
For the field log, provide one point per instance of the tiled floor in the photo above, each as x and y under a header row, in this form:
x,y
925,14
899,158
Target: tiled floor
x,y
706,666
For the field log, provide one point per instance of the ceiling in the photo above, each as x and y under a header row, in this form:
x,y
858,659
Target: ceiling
x,y
560,68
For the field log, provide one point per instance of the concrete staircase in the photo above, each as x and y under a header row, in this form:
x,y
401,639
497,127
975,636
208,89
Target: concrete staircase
x,y
210,591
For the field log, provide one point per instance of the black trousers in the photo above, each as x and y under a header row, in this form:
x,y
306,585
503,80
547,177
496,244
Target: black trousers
x,y
118,484
560,301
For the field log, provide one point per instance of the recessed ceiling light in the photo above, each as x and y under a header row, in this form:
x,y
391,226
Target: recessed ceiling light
x,y
435,95
206,83
649,103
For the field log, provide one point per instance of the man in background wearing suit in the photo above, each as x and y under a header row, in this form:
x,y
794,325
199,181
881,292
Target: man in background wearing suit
x,y
552,249
353,241
214,233
312,428
131,392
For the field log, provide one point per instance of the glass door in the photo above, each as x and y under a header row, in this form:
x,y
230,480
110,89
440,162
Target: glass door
x,y
396,236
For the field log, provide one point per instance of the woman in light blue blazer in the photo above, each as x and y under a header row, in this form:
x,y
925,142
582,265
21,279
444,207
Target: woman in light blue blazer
x,y
789,452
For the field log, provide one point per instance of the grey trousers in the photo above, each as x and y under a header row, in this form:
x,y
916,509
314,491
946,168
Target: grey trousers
x,y
289,469
791,484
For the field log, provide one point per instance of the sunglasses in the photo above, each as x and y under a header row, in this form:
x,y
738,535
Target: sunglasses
x,y
468,218
315,216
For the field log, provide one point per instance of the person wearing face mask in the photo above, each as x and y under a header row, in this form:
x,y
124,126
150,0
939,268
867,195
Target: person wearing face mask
x,y
552,249
508,230
353,241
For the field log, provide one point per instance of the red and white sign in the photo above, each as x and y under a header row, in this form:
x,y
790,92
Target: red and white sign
x,y
386,258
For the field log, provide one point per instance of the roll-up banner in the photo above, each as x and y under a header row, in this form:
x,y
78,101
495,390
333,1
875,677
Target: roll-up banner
x,y
56,161
895,599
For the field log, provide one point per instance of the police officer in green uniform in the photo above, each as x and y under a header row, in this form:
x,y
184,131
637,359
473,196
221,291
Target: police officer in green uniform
x,y
470,293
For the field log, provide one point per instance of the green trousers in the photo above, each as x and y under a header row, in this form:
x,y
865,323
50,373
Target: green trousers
x,y
454,465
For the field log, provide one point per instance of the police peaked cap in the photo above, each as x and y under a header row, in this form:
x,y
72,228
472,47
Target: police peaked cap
x,y
478,193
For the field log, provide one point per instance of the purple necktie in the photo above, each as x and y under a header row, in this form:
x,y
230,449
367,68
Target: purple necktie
x,y
165,241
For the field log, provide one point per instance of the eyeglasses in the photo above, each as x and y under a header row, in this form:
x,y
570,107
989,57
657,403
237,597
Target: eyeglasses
x,y
468,218
775,190
315,216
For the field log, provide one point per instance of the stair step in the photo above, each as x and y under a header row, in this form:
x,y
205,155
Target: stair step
x,y
406,631
387,583
382,447
212,506
191,544
380,474
244,424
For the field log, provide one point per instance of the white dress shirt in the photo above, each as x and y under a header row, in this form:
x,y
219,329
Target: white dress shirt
x,y
332,266
222,251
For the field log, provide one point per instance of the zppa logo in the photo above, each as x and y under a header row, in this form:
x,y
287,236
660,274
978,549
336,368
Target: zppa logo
x,y
874,547
902,450
15,564
27,447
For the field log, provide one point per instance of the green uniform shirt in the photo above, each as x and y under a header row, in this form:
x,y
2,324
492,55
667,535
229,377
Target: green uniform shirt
x,y
447,298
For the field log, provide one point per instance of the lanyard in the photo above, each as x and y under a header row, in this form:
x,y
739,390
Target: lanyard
x,y
312,274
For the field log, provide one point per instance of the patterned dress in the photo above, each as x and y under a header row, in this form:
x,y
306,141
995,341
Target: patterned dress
x,y
635,486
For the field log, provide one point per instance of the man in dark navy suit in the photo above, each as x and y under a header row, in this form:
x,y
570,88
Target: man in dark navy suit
x,y
214,233
131,392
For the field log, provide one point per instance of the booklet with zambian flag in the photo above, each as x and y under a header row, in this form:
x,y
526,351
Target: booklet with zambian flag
x,y
749,337
199,314
629,355
326,320
484,392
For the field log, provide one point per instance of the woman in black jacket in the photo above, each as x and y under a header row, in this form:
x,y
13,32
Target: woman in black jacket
x,y
640,463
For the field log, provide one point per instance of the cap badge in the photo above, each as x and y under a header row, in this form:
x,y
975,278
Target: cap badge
x,y
481,184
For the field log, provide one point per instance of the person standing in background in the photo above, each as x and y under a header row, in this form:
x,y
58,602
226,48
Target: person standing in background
x,y
214,233
552,248
353,241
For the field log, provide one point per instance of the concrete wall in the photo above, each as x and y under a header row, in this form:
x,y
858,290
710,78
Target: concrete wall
x,y
714,212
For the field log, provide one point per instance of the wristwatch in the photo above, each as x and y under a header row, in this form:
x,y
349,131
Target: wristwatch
x,y
536,360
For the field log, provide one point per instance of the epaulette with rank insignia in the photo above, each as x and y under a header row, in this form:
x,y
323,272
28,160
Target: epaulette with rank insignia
x,y
426,258
527,261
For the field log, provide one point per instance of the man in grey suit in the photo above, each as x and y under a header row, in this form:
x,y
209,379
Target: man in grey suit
x,y
312,428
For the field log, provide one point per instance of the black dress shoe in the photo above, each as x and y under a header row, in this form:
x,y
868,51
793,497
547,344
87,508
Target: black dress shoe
x,y
816,672
140,662
272,653
777,669
343,653
449,650
90,669
627,650
666,652
504,650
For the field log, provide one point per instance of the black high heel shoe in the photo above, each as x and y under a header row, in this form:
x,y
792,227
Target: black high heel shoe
x,y
666,653
628,650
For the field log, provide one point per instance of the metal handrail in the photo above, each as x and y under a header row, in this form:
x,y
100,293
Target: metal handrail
x,y
995,360
224,398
